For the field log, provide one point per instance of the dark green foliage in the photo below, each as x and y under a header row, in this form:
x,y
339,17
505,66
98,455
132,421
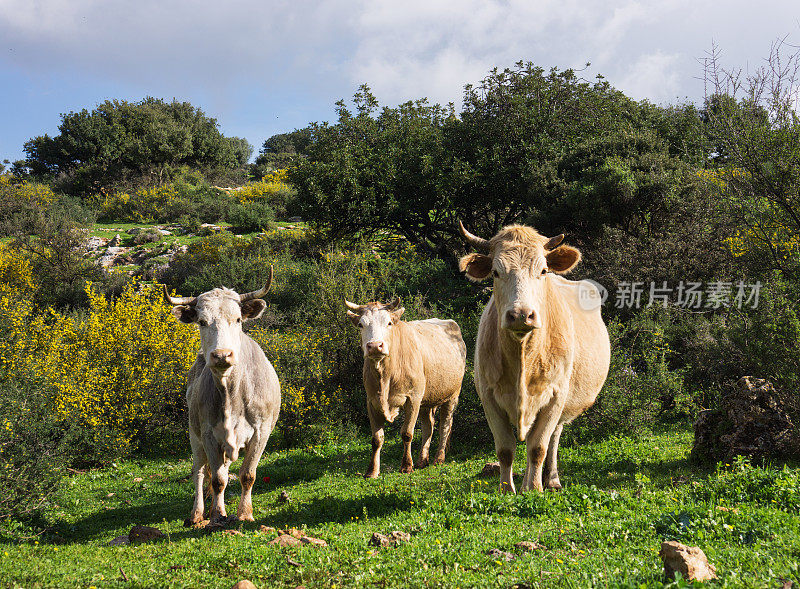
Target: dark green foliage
x,y
131,142
32,453
250,216
53,238
641,384
281,151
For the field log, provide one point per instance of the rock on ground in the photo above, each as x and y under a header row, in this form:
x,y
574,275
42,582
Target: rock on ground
x,y
294,537
751,421
142,534
491,469
391,539
690,561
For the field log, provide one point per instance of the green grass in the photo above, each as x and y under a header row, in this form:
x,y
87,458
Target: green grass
x,y
622,497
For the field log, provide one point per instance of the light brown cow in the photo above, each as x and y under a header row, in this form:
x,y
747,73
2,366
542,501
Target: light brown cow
x,y
232,393
542,353
416,365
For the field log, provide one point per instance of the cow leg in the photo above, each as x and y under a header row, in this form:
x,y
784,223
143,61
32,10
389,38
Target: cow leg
x,y
505,443
445,428
376,421
426,415
199,469
247,473
411,410
538,442
550,474
219,477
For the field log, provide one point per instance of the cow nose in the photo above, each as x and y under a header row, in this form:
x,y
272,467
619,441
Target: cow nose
x,y
375,348
521,318
222,357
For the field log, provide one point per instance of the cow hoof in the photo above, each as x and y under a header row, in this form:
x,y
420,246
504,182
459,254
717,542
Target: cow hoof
x,y
438,461
423,463
370,475
407,469
245,517
553,486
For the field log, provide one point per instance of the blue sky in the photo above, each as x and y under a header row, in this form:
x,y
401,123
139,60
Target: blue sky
x,y
265,67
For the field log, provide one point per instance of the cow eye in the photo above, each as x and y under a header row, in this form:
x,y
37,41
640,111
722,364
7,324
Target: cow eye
x,y
238,320
544,270
203,323
391,323
495,273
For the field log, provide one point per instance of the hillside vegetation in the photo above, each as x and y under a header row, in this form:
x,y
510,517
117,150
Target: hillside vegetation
x,y
686,214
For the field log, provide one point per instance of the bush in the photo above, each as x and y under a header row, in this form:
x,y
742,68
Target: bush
x,y
166,203
273,189
107,371
147,235
31,453
640,383
250,217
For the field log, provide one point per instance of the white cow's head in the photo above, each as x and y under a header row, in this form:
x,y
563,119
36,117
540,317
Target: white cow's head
x,y
519,259
220,313
376,322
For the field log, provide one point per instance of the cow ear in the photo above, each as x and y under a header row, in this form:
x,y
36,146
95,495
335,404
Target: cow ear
x,y
563,259
354,317
185,313
253,308
477,266
397,313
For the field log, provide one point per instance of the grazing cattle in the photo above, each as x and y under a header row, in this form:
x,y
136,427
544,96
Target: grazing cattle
x,y
416,365
232,393
542,352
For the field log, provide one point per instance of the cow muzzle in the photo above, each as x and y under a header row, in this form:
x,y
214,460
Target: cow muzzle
x,y
376,349
520,322
221,359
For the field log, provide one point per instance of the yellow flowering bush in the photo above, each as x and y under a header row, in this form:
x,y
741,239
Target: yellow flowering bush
x,y
271,186
34,193
143,206
108,371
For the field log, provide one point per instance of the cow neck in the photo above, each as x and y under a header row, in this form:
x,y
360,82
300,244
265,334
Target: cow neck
x,y
390,367
530,359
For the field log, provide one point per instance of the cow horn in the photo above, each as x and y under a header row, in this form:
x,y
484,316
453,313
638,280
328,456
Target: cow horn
x,y
393,305
353,306
554,241
479,243
257,294
175,301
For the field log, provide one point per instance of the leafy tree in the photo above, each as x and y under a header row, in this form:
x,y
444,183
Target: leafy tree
x,y
281,151
547,148
754,127
122,141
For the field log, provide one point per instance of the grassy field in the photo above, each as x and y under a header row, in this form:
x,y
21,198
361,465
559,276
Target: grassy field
x,y
622,497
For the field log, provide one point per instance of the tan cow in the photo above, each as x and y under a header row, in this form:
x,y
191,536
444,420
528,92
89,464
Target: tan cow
x,y
542,353
416,365
232,393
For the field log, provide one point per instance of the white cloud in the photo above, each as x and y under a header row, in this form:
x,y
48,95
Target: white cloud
x,y
653,76
403,50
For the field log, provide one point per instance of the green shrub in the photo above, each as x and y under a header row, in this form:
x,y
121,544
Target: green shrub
x,y
249,217
32,453
640,381
147,235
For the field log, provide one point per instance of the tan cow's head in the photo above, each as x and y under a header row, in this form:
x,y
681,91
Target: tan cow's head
x,y
219,313
519,259
376,322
